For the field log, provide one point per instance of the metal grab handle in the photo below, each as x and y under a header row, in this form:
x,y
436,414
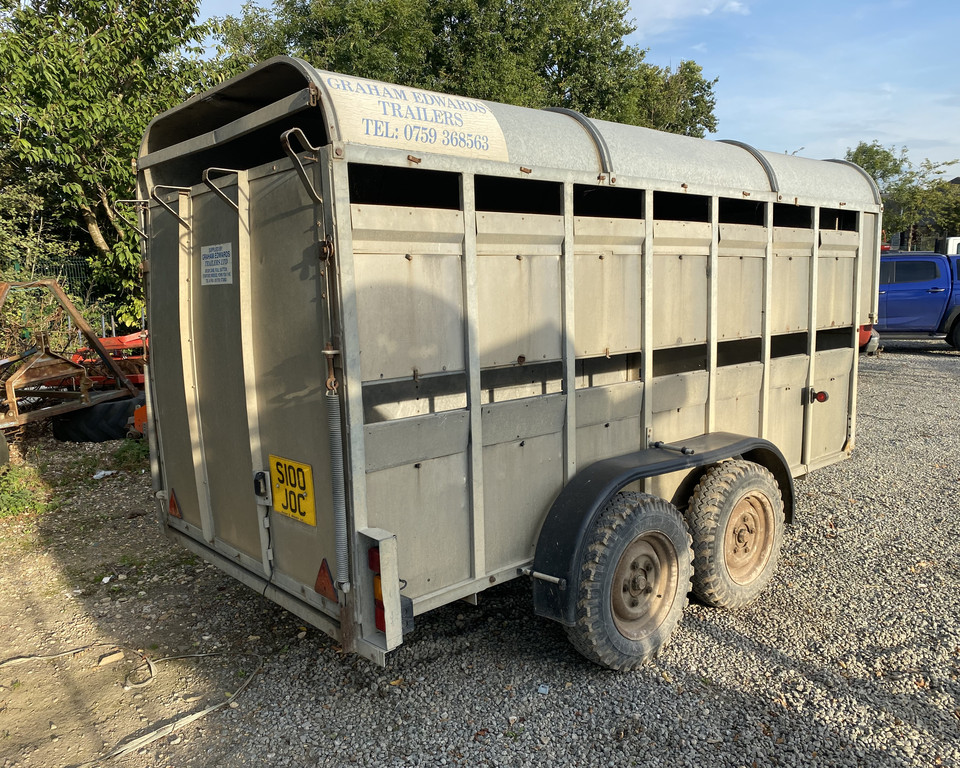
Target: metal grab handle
x,y
129,223
215,189
936,290
301,137
153,194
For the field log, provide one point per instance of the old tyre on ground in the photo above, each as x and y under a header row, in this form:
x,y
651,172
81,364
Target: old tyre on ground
x,y
634,579
100,422
736,518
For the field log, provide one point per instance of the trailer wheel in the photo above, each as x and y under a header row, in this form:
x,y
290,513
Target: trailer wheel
x,y
736,517
100,422
634,579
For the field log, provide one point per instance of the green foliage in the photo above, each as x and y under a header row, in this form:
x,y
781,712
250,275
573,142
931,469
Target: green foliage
x,y
81,80
22,491
534,53
132,455
916,199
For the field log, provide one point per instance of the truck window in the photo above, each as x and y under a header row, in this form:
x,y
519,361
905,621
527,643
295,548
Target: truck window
x,y
886,272
916,271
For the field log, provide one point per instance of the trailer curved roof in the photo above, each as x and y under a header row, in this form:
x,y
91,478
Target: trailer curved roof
x,y
365,112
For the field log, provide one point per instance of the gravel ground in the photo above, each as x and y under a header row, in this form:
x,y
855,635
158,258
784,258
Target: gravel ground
x,y
850,658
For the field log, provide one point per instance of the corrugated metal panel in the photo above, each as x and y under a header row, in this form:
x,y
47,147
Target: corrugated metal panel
x,y
811,179
410,119
646,153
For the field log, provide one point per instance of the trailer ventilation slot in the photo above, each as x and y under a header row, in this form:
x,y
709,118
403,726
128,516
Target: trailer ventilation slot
x,y
788,344
738,351
607,202
673,206
794,216
834,338
501,195
515,383
679,360
407,187
748,212
838,219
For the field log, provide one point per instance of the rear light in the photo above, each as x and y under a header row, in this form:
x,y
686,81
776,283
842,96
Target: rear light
x,y
379,612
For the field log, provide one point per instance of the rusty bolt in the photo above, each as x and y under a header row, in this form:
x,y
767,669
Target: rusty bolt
x,y
408,257
521,360
414,159
338,152
525,170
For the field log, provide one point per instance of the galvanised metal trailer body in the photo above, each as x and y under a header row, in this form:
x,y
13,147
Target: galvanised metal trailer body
x,y
407,345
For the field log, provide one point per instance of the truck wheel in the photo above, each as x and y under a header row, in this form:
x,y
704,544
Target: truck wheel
x,y
953,338
634,579
736,517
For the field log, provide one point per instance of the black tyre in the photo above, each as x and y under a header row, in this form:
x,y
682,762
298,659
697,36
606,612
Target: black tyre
x,y
953,337
100,422
634,579
736,518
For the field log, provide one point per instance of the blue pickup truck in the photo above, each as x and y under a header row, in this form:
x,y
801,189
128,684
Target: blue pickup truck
x,y
920,296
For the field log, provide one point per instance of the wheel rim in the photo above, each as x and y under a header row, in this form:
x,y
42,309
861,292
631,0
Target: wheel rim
x,y
644,585
748,538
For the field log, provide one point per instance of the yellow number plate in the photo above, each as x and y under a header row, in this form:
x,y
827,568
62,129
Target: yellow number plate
x,y
293,489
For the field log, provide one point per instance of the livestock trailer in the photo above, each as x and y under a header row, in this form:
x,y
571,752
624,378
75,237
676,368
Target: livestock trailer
x,y
408,345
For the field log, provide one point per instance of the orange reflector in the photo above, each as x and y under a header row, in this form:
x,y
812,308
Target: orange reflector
x,y
324,584
377,589
174,508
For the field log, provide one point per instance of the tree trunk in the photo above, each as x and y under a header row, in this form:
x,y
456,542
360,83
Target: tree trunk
x,y
93,228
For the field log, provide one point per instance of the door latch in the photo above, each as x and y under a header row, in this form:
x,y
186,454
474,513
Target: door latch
x,y
261,488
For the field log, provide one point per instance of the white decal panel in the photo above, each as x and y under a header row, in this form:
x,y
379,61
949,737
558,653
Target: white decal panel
x,y
413,119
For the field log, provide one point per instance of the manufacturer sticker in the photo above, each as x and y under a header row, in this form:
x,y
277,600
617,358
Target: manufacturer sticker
x,y
216,264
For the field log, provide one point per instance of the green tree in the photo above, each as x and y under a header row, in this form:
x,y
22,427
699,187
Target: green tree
x,y
81,79
916,198
534,53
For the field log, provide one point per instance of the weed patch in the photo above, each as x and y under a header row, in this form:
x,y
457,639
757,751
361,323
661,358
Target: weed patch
x,y
132,455
22,491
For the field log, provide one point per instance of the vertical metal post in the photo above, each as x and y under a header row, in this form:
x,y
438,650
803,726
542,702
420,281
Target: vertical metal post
x,y
567,288
808,410
713,326
855,369
646,317
471,340
258,458
766,321
188,359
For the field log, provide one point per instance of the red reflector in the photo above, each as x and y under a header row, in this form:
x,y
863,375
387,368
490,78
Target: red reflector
x,y
822,397
373,559
174,508
380,618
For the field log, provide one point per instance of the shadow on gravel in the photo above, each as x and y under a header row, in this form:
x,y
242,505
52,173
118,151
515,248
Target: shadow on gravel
x,y
817,708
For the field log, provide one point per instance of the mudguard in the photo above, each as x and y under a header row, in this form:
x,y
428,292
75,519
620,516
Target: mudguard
x,y
571,518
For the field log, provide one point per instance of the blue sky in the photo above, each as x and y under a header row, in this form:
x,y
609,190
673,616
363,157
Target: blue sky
x,y
811,76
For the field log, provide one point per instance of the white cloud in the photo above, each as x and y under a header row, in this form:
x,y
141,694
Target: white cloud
x,y
656,16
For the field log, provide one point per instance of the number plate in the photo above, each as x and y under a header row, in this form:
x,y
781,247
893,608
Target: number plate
x,y
293,489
